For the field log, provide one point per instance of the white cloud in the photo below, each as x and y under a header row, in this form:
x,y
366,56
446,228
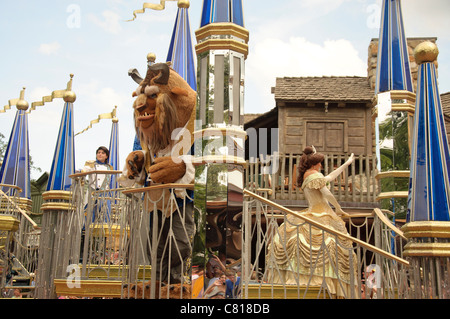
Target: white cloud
x,y
110,23
99,97
300,58
49,48
324,5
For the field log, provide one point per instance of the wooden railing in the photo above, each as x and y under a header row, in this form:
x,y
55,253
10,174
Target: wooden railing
x,y
278,174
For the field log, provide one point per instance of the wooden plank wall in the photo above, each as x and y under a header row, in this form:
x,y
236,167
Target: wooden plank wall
x,y
293,119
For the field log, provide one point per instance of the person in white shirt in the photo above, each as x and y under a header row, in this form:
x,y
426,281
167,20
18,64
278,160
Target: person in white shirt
x,y
98,182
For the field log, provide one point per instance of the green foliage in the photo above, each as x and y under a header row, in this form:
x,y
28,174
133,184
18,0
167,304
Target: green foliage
x,y
395,129
4,145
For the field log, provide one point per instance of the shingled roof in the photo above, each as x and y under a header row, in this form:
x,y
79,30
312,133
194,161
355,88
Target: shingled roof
x,y
325,88
445,102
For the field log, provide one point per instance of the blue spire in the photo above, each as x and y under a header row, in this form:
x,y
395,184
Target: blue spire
x,y
15,169
429,194
181,52
393,70
222,11
64,157
114,151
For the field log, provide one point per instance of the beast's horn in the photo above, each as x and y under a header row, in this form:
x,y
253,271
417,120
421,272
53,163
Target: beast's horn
x,y
160,72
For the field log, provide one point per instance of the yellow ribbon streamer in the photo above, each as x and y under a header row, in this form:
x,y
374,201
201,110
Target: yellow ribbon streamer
x,y
103,116
153,6
13,102
46,99
58,94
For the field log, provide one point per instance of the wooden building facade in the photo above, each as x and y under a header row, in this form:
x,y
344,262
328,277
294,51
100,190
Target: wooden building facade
x,y
333,113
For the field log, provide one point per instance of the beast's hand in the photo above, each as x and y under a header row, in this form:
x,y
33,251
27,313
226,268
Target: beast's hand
x,y
135,162
165,170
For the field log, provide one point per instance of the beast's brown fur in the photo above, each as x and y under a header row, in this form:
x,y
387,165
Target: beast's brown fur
x,y
164,102
140,290
163,291
175,291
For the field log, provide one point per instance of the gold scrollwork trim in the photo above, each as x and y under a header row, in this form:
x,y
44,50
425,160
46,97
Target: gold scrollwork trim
x,y
392,174
222,29
25,204
396,194
222,44
107,230
403,108
286,292
61,195
56,206
427,250
89,288
402,94
9,223
433,229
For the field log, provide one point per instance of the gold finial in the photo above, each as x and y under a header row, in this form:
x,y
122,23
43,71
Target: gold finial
x,y
426,51
21,103
183,4
69,95
114,116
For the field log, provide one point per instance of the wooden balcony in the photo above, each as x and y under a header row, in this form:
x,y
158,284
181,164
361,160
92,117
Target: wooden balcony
x,y
356,188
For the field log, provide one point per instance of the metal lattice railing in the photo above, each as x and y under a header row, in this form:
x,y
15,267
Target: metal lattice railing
x,y
262,277
19,245
159,247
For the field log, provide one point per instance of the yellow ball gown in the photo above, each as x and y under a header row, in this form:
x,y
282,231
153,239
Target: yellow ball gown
x,y
300,254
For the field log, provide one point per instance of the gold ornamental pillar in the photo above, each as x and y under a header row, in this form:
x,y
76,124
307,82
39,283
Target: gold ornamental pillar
x,y
9,224
428,219
57,207
54,233
222,48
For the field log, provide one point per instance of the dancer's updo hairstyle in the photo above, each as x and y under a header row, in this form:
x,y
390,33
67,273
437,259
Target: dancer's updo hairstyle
x,y
307,160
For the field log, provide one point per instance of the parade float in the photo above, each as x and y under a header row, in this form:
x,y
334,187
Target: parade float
x,y
162,238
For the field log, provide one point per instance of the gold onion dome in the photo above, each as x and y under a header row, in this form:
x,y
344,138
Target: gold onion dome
x,y
22,104
69,96
183,4
426,52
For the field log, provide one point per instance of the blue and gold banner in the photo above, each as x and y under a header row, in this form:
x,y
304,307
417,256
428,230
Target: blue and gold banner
x,y
429,196
393,69
222,11
181,53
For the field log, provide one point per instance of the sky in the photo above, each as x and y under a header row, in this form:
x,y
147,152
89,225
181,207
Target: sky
x,y
43,42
